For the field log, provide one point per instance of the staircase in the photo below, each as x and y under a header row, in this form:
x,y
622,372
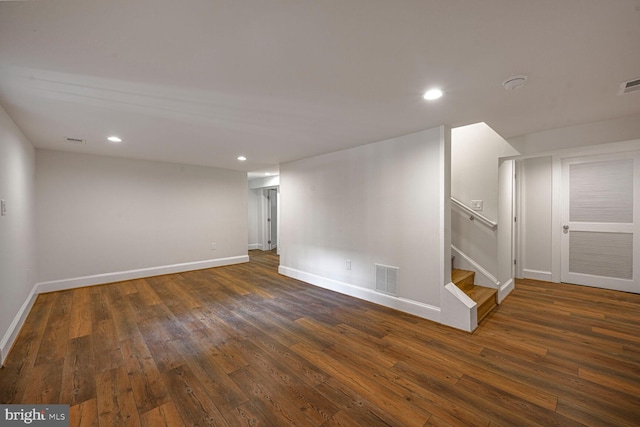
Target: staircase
x,y
486,298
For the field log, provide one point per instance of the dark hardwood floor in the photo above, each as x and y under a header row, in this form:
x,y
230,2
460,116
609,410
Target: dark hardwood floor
x,y
241,345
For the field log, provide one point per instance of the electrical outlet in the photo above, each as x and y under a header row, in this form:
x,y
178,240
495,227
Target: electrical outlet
x,y
348,264
213,247
3,208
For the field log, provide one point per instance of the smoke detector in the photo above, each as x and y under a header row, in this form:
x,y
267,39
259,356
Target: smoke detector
x,y
78,141
515,82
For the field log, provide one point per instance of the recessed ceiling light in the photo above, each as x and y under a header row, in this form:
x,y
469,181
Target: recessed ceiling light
x,y
432,94
242,158
267,174
115,139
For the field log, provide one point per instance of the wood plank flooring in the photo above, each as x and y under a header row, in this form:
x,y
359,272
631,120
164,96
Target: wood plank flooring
x,y
243,346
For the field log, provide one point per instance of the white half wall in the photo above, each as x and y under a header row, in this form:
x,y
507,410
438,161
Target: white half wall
x,y
382,203
104,217
17,230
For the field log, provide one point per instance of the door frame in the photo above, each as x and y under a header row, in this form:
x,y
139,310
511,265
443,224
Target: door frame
x,y
270,245
264,227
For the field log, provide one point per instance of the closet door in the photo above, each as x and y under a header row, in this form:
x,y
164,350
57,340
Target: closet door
x,y
599,221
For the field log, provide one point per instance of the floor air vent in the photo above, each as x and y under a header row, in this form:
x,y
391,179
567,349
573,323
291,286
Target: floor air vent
x,y
630,86
387,279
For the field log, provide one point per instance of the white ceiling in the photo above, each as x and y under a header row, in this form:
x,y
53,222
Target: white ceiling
x,y
203,81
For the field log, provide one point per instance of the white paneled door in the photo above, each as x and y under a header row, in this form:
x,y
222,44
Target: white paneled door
x,y
600,218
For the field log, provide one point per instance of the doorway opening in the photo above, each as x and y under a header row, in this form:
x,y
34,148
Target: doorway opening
x,y
272,218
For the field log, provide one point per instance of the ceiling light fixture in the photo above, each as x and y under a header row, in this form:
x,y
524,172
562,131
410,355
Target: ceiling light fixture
x,y
433,94
515,82
242,158
114,139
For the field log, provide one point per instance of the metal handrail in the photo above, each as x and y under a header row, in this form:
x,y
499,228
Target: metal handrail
x,y
475,215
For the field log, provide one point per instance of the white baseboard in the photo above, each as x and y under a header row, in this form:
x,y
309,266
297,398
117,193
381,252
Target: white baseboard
x,y
416,308
505,289
465,262
14,328
254,246
537,275
100,279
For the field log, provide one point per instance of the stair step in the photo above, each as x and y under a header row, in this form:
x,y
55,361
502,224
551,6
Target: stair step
x,y
463,279
485,298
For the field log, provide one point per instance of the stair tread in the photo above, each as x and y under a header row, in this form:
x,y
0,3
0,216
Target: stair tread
x,y
463,278
481,294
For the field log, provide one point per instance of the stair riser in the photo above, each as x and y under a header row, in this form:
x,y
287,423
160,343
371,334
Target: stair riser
x,y
464,281
466,284
485,308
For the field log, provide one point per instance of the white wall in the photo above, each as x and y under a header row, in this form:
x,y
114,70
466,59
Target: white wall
x,y
505,244
475,150
266,182
536,216
379,203
101,219
17,237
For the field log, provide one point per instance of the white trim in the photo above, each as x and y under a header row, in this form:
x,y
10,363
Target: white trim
x,y
100,279
14,328
505,289
547,276
458,310
556,218
518,213
483,277
416,308
254,246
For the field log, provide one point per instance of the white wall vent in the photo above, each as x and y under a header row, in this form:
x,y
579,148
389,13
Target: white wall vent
x,y
387,279
630,86
76,140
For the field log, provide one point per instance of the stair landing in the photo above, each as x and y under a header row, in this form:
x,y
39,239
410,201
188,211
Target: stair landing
x,y
486,298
